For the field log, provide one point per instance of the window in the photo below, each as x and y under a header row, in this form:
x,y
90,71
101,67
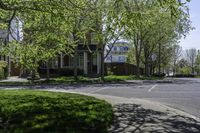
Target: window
x,y
115,48
126,48
54,63
121,59
94,60
121,48
69,61
80,62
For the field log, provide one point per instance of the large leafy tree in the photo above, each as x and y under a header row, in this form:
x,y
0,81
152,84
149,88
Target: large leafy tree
x,y
176,54
47,28
197,62
56,26
149,26
191,55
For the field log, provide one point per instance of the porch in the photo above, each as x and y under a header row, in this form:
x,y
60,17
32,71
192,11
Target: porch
x,y
88,64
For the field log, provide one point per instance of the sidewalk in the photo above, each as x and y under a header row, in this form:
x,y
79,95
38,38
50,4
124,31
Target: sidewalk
x,y
14,79
142,116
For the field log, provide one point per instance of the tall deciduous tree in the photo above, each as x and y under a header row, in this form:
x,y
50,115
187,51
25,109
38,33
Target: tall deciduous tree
x,y
198,62
191,55
149,27
56,26
47,26
176,54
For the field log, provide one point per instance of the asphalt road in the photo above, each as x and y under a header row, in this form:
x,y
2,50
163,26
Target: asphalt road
x,y
183,94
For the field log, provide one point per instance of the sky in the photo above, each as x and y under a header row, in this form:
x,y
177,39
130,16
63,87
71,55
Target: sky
x,y
193,39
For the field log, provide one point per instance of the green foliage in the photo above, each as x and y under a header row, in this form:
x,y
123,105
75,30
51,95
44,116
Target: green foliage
x,y
184,75
197,63
54,27
115,78
151,27
39,111
3,66
185,70
72,80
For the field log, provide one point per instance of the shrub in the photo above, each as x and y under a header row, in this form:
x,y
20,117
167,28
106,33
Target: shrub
x,y
40,111
3,72
184,75
61,72
161,75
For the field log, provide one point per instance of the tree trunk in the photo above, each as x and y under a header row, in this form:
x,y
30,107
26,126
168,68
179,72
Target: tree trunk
x,y
48,73
174,69
75,65
159,60
75,56
192,67
146,63
33,76
137,67
102,66
146,69
151,69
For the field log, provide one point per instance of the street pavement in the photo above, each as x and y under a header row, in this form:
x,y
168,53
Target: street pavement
x,y
182,94
144,106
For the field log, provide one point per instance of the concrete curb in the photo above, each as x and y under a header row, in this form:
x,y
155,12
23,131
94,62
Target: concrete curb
x,y
144,103
149,81
157,81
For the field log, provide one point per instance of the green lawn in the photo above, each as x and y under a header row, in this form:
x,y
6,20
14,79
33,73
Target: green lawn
x,y
110,78
40,111
113,78
71,80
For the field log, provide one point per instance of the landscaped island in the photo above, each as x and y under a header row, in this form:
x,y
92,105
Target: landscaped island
x,y
41,111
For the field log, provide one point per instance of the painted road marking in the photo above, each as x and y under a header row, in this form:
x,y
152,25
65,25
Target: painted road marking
x,y
153,87
91,92
144,86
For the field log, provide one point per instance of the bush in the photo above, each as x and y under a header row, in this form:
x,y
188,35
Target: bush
x,y
161,75
115,78
3,70
2,76
60,72
40,111
184,75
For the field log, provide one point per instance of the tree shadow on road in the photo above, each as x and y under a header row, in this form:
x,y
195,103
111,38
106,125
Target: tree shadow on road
x,y
131,118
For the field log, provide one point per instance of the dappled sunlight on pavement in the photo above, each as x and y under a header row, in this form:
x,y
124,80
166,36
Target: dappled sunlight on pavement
x,y
132,118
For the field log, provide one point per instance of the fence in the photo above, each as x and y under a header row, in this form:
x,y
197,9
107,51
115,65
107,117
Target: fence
x,y
122,69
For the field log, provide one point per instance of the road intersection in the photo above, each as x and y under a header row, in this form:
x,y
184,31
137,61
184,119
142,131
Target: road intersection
x,y
182,94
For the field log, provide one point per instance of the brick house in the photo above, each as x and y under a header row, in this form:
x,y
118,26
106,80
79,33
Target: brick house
x,y
88,60
89,56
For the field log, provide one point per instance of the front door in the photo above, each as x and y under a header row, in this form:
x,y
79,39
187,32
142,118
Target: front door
x,y
92,63
15,70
